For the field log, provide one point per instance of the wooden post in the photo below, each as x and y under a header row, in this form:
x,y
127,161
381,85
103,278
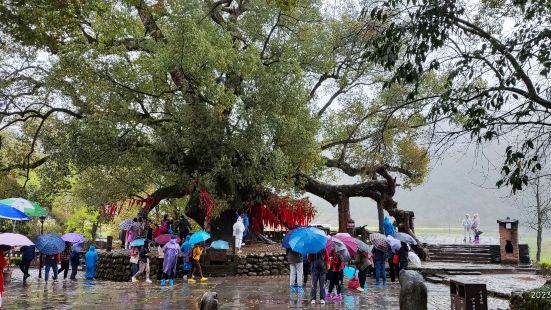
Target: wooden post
x,y
109,243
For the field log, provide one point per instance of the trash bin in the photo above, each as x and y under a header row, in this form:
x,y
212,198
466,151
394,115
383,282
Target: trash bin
x,y
468,296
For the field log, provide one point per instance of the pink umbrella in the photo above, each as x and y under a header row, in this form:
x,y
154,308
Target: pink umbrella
x,y
11,239
350,243
165,238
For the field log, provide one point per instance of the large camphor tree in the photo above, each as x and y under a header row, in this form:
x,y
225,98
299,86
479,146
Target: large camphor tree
x,y
234,103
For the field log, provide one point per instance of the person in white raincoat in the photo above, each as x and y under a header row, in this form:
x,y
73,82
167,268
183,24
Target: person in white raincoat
x,y
467,228
238,229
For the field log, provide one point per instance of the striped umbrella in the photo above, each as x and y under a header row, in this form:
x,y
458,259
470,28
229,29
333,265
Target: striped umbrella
x,y
379,241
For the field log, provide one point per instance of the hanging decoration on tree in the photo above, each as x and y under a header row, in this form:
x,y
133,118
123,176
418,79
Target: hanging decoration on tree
x,y
281,212
209,204
110,210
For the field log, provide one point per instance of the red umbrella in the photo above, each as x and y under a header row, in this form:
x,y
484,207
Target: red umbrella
x,y
165,238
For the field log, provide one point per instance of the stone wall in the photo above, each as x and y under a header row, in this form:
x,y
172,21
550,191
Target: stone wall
x,y
115,266
262,264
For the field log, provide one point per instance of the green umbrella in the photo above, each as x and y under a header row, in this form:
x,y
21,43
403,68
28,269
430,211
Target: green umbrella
x,y
31,209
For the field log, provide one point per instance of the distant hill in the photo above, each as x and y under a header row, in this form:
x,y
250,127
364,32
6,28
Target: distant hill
x,y
462,182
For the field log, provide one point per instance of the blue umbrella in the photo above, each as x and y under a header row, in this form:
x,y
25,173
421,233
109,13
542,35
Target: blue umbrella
x,y
50,244
138,242
10,213
126,224
307,240
220,245
198,237
285,241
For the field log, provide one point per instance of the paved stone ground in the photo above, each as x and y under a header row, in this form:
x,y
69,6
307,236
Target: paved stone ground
x,y
233,293
453,239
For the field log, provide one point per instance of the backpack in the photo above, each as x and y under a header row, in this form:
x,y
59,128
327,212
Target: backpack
x,y
396,259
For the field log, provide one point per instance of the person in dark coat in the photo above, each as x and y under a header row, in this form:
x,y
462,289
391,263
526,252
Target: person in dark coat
x,y
75,260
28,254
403,254
183,227
392,267
318,269
65,260
379,261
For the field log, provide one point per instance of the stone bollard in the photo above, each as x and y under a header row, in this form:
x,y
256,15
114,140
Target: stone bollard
x,y
109,243
209,301
413,291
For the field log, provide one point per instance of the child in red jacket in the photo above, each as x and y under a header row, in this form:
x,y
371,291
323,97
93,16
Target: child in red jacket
x,y
335,267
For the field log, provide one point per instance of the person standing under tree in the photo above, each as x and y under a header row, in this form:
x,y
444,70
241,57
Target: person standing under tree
x,y
238,229
361,260
475,227
318,268
295,270
183,227
379,261
90,260
467,228
2,266
393,265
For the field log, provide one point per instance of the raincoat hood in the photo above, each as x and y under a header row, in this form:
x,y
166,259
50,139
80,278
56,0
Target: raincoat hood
x,y
92,249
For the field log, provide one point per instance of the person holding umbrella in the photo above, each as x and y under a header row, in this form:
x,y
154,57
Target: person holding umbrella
x,y
295,271
65,257
336,266
379,261
51,262
196,266
75,260
145,253
2,266
318,269
361,260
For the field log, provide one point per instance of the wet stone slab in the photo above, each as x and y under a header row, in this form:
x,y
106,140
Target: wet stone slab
x,y
270,292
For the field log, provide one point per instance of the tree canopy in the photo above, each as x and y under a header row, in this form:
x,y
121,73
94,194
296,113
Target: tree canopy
x,y
240,98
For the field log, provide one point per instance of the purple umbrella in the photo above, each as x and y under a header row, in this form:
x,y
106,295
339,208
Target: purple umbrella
x,y
14,240
73,238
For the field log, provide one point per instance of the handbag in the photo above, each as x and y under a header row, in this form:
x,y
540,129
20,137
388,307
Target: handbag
x,y
354,282
396,259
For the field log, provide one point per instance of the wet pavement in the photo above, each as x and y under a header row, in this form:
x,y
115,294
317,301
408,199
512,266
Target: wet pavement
x,y
270,292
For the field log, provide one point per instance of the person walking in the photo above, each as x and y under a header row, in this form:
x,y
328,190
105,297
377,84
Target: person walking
x,y
50,262
131,233
90,260
379,261
317,268
393,265
238,230
28,254
295,271
361,260
196,253
171,251
475,228
145,253
183,227
65,259
336,266
75,260
467,228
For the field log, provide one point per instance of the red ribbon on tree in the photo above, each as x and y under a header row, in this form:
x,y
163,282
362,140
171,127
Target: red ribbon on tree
x,y
282,211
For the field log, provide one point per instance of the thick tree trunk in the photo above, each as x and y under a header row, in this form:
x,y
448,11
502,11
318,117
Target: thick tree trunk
x,y
381,216
344,213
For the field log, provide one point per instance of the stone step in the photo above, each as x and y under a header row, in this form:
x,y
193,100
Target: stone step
x,y
489,255
468,261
